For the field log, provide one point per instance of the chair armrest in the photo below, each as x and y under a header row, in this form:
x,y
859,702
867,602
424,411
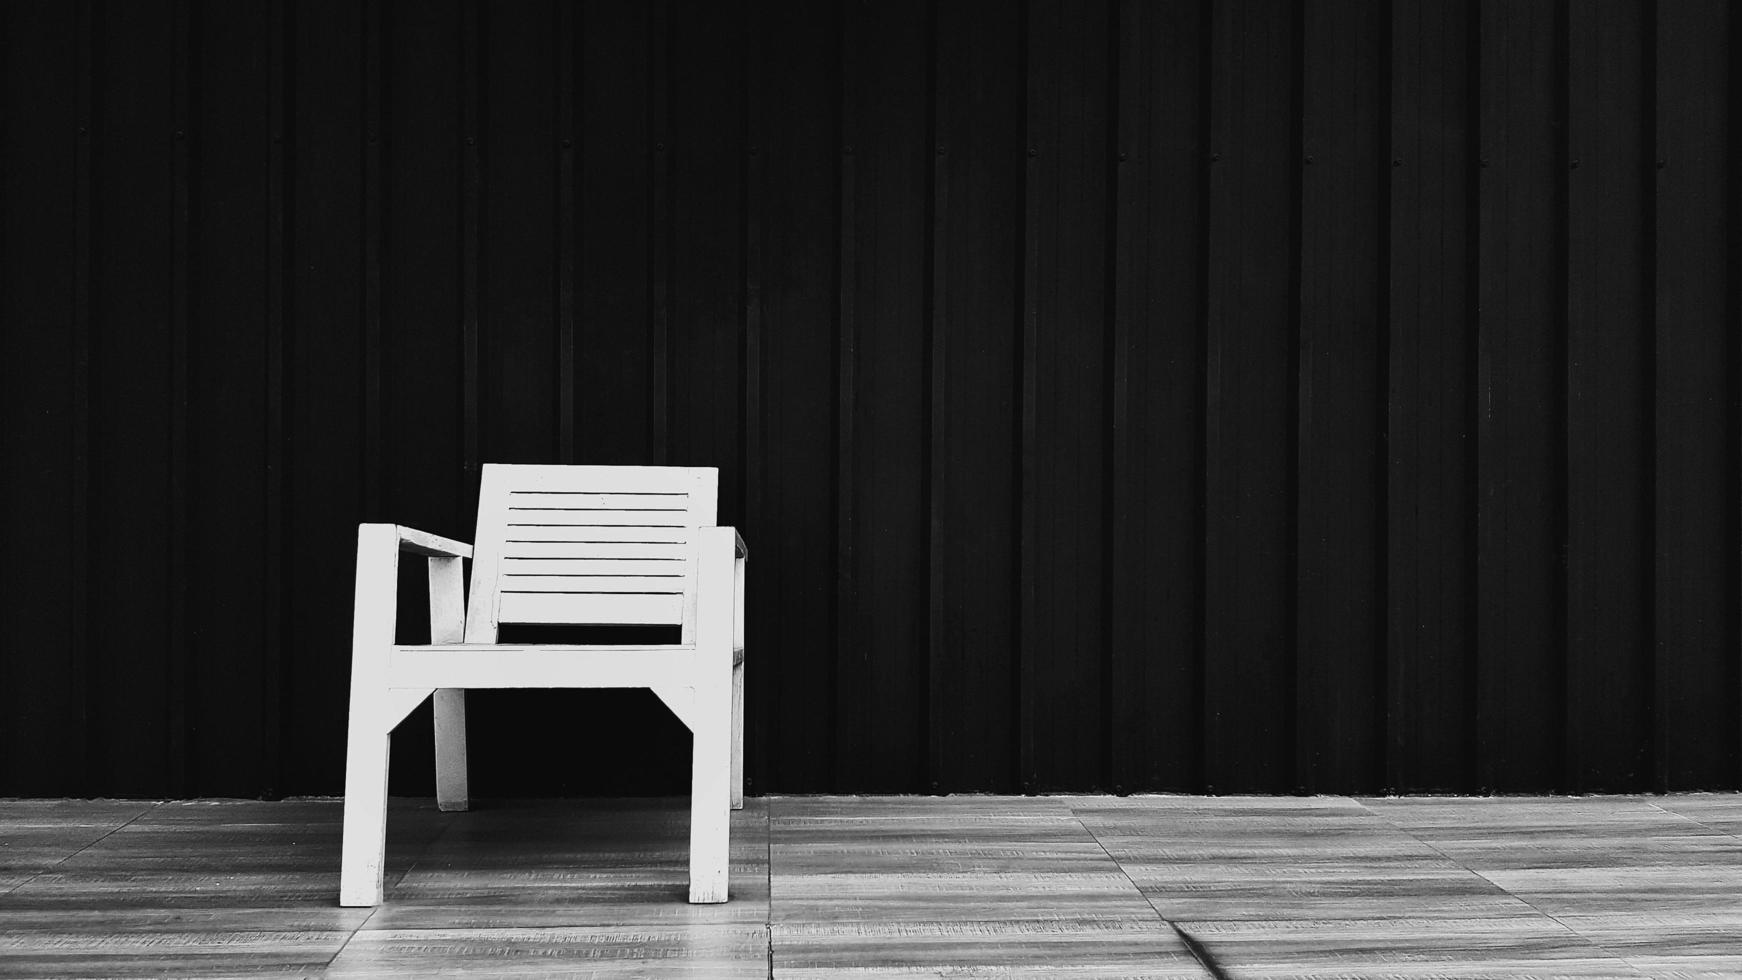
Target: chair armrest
x,y
739,549
378,549
430,545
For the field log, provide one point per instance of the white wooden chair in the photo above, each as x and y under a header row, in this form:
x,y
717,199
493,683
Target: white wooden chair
x,y
569,545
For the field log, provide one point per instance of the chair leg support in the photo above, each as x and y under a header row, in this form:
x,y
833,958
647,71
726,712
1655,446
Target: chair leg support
x,y
363,858
738,736
452,794
711,796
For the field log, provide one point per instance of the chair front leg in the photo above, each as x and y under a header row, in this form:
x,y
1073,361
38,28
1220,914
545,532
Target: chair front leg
x,y
711,793
363,853
363,859
712,772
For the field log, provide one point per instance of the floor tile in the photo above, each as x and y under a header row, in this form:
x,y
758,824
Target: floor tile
x,y
906,859
889,886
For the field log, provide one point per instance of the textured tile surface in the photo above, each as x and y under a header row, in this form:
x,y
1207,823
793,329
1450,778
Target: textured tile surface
x,y
861,887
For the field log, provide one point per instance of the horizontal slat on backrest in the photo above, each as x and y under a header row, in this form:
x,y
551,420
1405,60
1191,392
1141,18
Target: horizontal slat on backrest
x,y
591,545
661,584
569,534
673,551
670,502
610,610
664,567
548,517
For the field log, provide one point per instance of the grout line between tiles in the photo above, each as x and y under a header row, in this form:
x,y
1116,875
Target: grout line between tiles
x,y
1199,951
446,825
1581,937
1719,831
111,832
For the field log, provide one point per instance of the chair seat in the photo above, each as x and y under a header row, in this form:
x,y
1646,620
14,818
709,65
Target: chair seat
x,y
486,665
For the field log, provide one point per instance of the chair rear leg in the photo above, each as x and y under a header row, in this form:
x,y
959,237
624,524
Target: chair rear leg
x,y
452,793
363,857
710,795
738,736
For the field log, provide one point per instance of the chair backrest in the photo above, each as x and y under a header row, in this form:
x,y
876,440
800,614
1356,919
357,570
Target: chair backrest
x,y
588,545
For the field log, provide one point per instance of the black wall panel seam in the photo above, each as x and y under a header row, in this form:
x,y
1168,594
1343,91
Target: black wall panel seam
x,y
271,779
566,221
84,231
846,395
471,231
753,465
180,689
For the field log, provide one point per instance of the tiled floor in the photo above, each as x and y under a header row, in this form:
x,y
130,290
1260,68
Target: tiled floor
x,y
890,886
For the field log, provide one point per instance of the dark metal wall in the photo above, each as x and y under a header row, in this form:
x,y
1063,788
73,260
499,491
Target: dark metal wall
x,y
1222,396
